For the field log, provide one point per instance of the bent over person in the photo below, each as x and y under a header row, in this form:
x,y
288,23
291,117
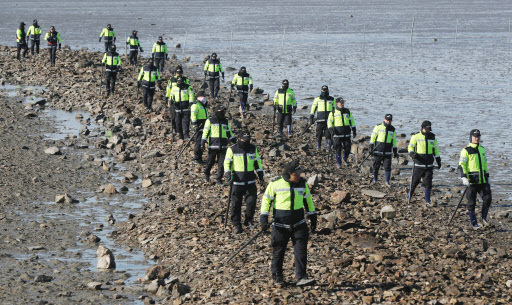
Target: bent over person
x,y
474,175
290,200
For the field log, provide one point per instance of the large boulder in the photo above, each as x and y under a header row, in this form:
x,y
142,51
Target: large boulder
x,y
106,258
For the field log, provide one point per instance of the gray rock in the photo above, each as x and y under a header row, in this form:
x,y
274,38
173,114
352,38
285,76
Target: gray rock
x,y
106,258
372,193
36,248
157,272
152,154
388,212
94,285
43,278
54,150
65,199
93,238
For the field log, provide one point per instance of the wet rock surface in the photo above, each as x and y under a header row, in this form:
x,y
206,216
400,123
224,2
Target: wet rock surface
x,y
356,256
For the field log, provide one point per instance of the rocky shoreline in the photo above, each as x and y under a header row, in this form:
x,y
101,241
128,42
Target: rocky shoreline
x,y
407,255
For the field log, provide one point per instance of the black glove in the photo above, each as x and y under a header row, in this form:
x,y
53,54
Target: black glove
x,y
167,56
141,50
331,131
222,75
354,133
395,155
60,46
311,119
99,40
227,175
260,176
115,38
370,148
264,222
250,87
294,109
232,86
438,160
312,218
139,84
205,72
233,140
419,158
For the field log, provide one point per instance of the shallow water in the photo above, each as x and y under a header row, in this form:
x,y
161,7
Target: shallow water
x,y
366,56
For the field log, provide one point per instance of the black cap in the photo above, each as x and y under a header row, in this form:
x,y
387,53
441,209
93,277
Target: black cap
x,y
242,68
475,133
35,21
113,47
108,25
388,117
293,167
340,100
425,124
219,108
22,23
179,70
244,134
325,88
285,82
214,54
52,28
200,93
160,38
134,31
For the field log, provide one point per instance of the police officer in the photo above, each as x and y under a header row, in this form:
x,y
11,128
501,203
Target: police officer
x,y
160,53
21,42
112,62
109,37
217,132
340,124
323,105
241,162
243,82
284,100
212,67
423,150
53,38
134,43
147,77
181,98
290,199
475,175
199,115
173,81
384,140
34,33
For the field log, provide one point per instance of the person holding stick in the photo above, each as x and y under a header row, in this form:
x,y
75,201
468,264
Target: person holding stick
x,y
341,124
290,199
181,97
384,135
109,37
423,150
134,43
475,175
241,165
112,61
323,105
286,104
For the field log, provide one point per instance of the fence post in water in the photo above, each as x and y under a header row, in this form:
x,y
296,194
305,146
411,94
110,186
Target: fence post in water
x,y
282,39
364,36
185,44
412,28
456,30
508,30
231,42
326,30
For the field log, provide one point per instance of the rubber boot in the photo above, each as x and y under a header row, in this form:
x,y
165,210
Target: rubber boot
x,y
472,219
388,176
338,160
280,130
345,159
485,211
375,174
289,130
427,196
328,144
319,143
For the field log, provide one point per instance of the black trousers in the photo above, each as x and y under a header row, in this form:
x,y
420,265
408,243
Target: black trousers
x,y
215,156
108,44
379,159
283,119
422,172
160,63
147,96
198,150
19,46
484,190
111,81
344,144
182,121
243,99
52,50
133,56
280,238
250,192
34,43
321,131
214,84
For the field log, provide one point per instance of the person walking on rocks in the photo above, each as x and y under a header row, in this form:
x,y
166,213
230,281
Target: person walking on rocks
x,y
286,104
53,38
423,150
199,115
341,124
212,68
21,42
323,105
289,199
34,33
109,37
148,75
475,175
384,140
112,62
134,43
159,53
217,132
241,165
173,81
243,82
181,98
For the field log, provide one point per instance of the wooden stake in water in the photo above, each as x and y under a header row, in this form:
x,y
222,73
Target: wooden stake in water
x,y
185,44
412,28
364,36
231,42
282,39
508,30
125,45
326,30
456,30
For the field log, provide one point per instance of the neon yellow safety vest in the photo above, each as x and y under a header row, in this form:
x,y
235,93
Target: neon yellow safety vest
x,y
285,100
243,163
342,121
149,76
473,164
111,61
386,136
198,112
324,106
426,147
34,32
109,35
217,133
181,98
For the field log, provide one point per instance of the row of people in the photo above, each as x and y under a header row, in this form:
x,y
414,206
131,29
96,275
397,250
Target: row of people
x,y
34,35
